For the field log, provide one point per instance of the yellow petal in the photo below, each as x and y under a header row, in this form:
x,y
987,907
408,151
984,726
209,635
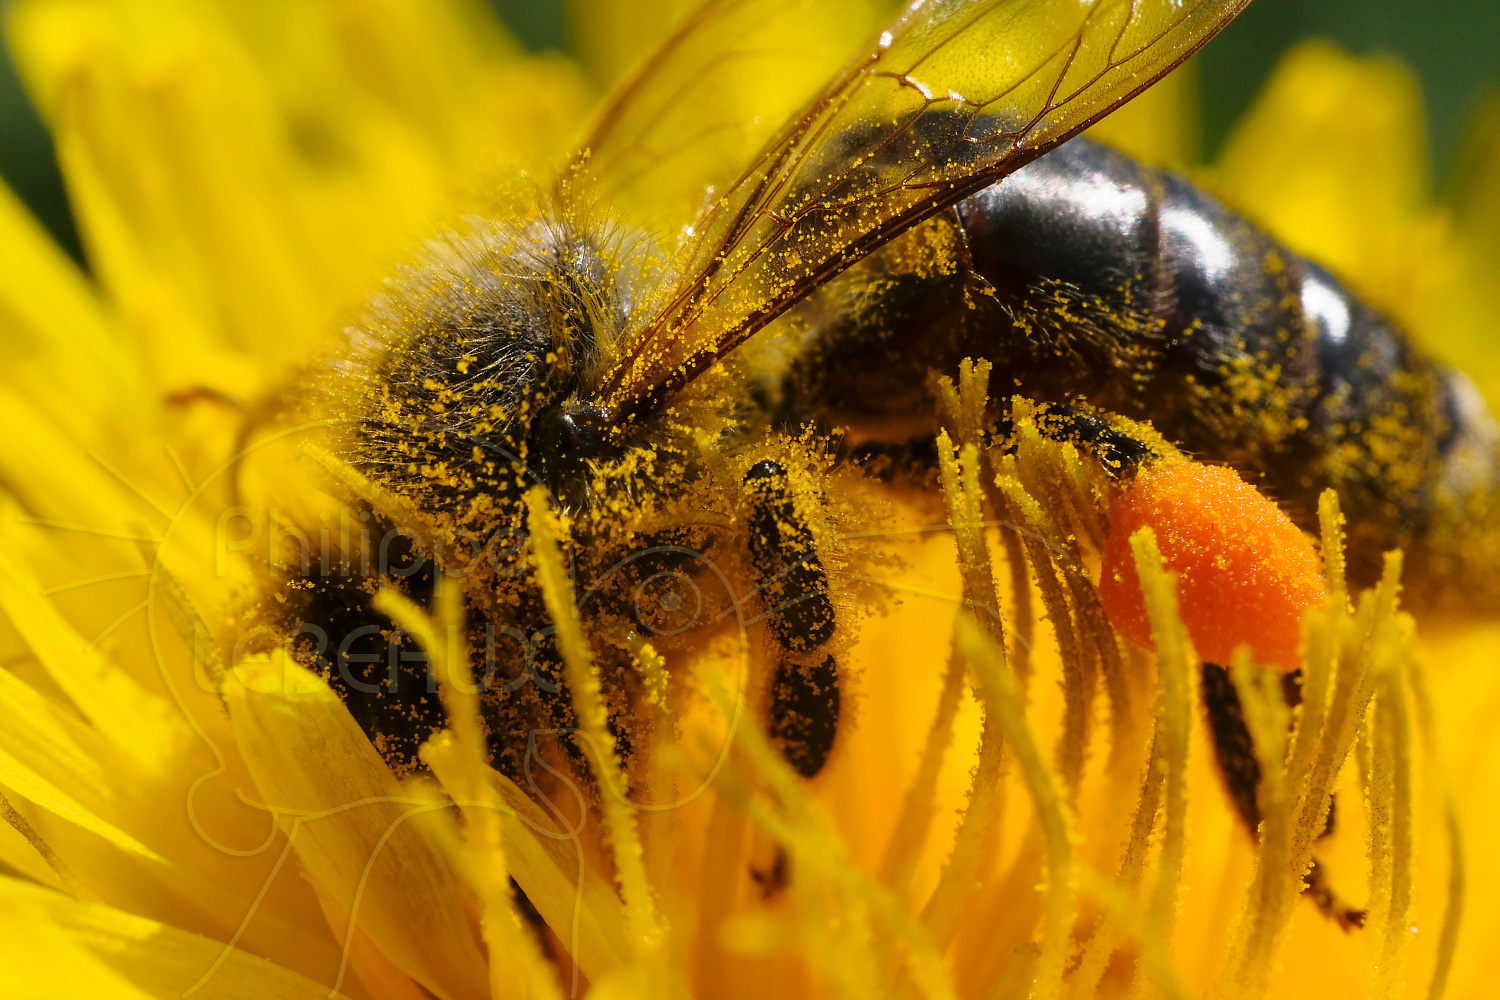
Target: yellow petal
x,y
200,868
1477,194
546,863
1471,341
50,760
1331,159
20,853
40,962
137,723
346,817
73,522
59,485
79,949
1465,698
222,161
421,59
65,353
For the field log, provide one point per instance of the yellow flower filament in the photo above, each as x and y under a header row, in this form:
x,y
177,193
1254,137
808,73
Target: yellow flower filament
x,y
459,760
588,697
1005,705
973,841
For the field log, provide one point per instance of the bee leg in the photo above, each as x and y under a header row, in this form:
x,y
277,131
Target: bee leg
x,y
1118,453
1233,748
1317,888
775,877
803,714
804,705
1235,753
1291,691
915,459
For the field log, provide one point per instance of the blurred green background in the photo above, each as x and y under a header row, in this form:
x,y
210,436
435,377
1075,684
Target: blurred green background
x,y
1454,46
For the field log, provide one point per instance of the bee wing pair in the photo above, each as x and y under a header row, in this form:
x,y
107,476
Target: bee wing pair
x,y
705,103
949,98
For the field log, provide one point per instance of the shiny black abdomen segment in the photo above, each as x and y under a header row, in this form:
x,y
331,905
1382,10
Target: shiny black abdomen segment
x,y
1233,747
793,585
1079,216
1112,268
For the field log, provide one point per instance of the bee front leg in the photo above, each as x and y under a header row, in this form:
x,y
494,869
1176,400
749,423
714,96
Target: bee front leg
x,y
793,585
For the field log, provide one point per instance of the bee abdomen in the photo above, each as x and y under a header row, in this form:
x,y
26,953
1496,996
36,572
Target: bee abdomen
x,y
803,709
1134,289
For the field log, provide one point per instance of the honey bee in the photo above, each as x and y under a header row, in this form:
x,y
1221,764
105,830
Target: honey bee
x,y
610,346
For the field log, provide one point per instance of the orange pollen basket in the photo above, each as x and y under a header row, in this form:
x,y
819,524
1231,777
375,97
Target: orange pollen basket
x,y
1246,573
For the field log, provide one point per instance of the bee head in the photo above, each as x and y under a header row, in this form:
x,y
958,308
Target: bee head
x,y
477,361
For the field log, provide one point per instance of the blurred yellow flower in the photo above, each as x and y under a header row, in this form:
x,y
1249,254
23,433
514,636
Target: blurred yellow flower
x,y
181,823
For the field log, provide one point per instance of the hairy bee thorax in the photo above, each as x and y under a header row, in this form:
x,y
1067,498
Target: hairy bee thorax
x,y
477,363
471,381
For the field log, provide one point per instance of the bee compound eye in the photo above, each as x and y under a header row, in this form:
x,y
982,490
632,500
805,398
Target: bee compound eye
x,y
668,603
573,431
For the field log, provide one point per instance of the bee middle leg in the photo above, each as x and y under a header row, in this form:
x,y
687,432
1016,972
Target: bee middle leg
x,y
1235,753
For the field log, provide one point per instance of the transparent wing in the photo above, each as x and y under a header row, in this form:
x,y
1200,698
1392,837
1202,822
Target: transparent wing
x,y
680,131
951,97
